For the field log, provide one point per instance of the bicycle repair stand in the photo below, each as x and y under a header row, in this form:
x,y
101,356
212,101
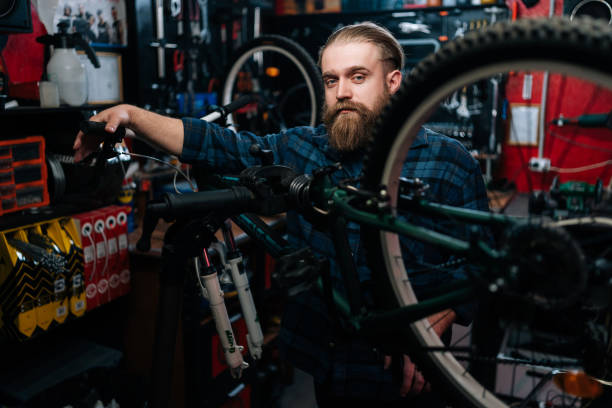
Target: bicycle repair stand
x,y
199,215
184,240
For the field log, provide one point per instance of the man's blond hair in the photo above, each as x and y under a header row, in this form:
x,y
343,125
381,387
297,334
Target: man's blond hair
x,y
391,50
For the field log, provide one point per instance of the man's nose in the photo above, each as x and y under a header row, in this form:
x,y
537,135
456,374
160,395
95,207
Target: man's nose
x,y
344,90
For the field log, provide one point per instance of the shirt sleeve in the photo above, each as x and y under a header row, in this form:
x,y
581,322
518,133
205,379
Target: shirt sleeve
x,y
223,149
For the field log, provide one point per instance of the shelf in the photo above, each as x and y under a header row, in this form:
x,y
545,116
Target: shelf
x,y
395,12
37,110
53,364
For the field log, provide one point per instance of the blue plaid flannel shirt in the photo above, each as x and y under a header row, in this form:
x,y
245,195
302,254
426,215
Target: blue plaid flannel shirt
x,y
309,338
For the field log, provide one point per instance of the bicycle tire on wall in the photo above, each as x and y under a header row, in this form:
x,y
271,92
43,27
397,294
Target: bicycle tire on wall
x,y
288,48
585,45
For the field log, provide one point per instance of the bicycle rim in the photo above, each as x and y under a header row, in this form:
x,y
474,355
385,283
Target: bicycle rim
x,y
284,80
526,47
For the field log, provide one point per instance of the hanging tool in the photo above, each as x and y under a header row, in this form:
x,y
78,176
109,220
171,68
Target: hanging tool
x,y
160,43
175,8
194,18
592,120
197,67
179,20
178,60
205,32
193,54
198,12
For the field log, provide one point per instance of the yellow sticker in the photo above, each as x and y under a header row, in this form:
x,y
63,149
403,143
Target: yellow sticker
x,y
26,322
78,304
61,310
44,314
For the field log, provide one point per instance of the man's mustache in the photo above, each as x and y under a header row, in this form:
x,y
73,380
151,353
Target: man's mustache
x,y
348,105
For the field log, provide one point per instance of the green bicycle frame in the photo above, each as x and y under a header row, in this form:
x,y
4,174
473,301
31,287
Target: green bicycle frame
x,y
338,202
451,294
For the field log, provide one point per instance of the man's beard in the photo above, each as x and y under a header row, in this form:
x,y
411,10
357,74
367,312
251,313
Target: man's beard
x,y
350,131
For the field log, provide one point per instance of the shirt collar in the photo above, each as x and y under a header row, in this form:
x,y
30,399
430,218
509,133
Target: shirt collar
x,y
420,140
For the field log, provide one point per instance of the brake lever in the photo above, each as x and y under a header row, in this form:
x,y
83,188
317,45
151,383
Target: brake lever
x,y
108,145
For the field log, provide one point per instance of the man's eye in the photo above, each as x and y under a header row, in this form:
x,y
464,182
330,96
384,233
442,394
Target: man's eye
x,y
358,78
330,82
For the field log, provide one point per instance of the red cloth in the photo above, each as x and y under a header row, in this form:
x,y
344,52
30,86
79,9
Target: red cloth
x,y
23,56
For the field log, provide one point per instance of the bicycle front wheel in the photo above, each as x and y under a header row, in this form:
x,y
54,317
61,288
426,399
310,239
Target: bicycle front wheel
x,y
512,363
284,81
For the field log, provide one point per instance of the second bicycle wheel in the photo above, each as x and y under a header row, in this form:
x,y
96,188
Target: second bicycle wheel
x,y
545,317
284,81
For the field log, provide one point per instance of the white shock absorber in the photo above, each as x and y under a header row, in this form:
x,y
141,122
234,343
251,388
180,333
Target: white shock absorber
x,y
209,284
232,263
241,281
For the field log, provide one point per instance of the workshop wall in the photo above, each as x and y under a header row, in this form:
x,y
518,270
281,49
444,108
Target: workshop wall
x,y
588,145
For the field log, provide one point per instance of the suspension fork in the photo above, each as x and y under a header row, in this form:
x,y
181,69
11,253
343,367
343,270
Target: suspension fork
x,y
209,285
232,260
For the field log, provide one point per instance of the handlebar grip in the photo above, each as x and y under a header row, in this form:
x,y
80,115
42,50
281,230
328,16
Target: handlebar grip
x,y
224,111
233,200
99,128
238,103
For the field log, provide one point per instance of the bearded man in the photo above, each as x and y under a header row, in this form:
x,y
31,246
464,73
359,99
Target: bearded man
x,y
361,68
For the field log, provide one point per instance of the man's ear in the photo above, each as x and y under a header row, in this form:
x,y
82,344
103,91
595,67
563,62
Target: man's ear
x,y
394,80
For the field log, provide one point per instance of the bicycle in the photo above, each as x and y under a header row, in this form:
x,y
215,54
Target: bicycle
x,y
509,265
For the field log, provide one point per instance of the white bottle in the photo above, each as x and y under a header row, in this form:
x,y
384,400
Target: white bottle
x,y
65,68
68,72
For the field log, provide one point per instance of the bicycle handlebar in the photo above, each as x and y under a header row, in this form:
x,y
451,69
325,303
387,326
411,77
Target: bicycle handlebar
x,y
193,205
223,111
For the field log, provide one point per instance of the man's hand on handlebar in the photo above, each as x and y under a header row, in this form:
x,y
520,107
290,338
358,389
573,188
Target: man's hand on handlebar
x,y
86,144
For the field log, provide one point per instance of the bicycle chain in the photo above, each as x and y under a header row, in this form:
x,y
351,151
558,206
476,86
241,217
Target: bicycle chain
x,y
442,266
516,361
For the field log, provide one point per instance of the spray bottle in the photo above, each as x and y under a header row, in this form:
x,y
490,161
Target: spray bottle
x,y
65,68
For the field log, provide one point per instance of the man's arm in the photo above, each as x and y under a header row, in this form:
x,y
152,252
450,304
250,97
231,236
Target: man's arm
x,y
413,381
162,132
442,321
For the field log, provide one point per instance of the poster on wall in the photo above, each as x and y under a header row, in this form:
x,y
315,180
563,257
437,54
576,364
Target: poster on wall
x,y
104,84
100,22
524,124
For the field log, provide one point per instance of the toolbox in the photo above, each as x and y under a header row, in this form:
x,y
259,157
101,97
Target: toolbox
x,y
23,174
